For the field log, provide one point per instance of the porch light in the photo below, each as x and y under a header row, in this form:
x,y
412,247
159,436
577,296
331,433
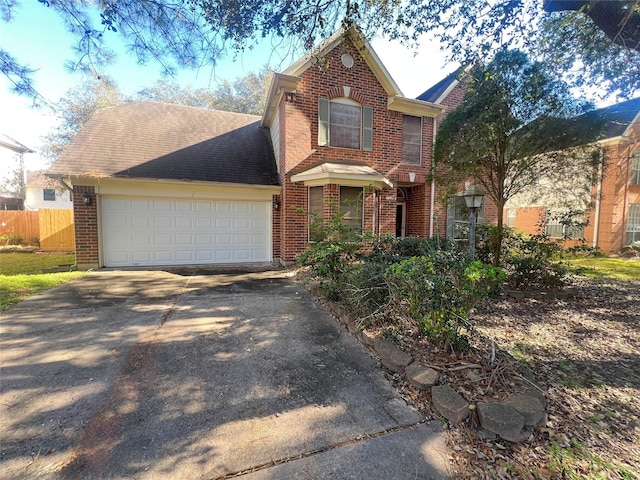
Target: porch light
x,y
473,198
86,199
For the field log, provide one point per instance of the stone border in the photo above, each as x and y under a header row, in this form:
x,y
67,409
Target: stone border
x,y
513,420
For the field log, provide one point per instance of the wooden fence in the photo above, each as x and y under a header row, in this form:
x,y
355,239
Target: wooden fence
x,y
53,229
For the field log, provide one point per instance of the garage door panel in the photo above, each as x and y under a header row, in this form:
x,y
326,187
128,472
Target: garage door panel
x,y
185,256
162,257
163,206
139,222
184,231
184,222
184,239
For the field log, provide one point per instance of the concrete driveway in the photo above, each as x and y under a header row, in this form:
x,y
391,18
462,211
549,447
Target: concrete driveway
x,y
153,375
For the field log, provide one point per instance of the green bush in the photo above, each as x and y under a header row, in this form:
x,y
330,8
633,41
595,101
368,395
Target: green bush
x,y
530,261
430,282
535,263
439,291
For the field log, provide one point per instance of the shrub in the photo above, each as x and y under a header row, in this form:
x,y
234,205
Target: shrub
x,y
531,262
439,291
364,290
534,263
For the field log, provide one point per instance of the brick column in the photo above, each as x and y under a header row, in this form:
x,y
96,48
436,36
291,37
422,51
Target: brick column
x,y
86,227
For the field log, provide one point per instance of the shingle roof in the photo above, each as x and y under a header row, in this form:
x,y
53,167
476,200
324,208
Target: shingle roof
x,y
165,141
37,178
434,93
617,117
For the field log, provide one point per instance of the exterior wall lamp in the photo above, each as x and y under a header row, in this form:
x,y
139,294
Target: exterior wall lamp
x,y
276,204
473,198
86,199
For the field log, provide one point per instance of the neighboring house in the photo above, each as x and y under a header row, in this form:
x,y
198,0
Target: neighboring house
x,y
12,173
44,192
612,195
159,184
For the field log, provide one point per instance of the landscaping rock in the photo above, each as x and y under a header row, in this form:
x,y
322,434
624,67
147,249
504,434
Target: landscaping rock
x,y
449,404
522,436
502,419
391,355
486,435
529,407
368,338
421,377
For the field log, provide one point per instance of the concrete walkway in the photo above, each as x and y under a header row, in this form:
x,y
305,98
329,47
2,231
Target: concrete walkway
x,y
153,375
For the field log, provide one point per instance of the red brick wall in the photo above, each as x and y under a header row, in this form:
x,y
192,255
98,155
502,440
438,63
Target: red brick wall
x,y
275,222
86,228
300,150
617,194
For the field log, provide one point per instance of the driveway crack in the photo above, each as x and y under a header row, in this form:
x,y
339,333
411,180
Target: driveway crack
x,y
360,438
165,316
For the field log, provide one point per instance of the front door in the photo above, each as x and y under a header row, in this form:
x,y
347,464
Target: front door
x,y
400,219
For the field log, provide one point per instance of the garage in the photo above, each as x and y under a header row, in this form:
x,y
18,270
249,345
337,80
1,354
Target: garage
x,y
141,231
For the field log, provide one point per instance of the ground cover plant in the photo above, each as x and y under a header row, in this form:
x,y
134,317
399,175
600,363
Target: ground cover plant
x,y
21,274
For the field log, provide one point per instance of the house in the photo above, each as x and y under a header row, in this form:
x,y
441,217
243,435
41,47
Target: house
x,y
43,192
158,184
12,173
611,199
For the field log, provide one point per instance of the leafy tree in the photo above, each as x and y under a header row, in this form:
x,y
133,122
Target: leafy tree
x,y
244,95
75,108
194,33
12,180
511,129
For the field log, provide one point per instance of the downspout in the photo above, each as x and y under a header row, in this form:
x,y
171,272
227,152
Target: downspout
x,y
596,226
625,220
60,179
433,181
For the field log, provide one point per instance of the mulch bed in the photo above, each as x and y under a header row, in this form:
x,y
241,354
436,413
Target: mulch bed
x,y
582,352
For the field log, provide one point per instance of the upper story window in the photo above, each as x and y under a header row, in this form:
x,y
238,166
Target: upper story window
x,y
345,123
49,194
411,139
635,168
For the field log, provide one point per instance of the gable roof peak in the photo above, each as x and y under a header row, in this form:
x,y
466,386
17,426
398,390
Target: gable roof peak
x,y
354,35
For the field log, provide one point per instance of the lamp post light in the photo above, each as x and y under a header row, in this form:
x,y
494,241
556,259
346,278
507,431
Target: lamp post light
x,y
473,197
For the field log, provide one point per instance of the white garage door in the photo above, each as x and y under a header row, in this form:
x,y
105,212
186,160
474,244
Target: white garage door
x,y
140,232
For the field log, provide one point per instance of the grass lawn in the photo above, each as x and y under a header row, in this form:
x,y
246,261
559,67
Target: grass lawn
x,y
602,267
21,274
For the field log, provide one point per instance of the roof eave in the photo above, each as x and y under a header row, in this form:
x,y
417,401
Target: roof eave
x,y
280,84
349,179
94,179
635,121
447,91
412,106
368,54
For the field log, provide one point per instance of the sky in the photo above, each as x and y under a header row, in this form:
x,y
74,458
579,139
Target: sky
x,y
37,37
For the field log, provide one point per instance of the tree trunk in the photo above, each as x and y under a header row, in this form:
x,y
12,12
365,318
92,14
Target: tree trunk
x,y
497,248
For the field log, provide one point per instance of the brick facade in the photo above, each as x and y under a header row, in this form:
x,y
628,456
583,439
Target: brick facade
x,y
298,117
86,227
616,194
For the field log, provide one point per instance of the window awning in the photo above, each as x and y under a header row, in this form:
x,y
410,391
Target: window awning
x,y
342,174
